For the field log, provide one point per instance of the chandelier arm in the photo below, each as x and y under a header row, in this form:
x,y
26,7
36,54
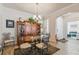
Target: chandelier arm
x,y
37,9
37,16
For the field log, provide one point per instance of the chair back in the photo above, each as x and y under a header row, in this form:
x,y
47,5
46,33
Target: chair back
x,y
46,37
6,36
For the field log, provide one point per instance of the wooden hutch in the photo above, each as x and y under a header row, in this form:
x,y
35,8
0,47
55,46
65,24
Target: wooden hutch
x,y
25,30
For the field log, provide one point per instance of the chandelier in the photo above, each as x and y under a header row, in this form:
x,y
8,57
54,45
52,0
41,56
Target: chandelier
x,y
37,16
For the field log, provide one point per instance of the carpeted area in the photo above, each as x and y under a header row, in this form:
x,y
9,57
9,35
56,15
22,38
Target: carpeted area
x,y
63,40
51,50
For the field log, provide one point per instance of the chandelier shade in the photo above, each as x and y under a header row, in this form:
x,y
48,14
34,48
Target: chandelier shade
x,y
37,17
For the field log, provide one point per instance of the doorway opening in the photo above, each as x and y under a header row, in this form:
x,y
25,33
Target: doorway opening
x,y
67,26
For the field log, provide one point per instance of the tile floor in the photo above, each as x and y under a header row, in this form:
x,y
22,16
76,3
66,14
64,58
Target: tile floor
x,y
71,47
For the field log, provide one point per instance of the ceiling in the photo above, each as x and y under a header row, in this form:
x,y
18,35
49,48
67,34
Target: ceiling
x,y
43,8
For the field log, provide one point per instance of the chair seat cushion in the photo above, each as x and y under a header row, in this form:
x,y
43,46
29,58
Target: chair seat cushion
x,y
25,45
41,45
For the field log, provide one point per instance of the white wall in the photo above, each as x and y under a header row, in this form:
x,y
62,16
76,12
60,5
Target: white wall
x,y
7,13
73,27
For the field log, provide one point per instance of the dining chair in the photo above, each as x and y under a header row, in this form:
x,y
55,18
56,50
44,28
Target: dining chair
x,y
7,38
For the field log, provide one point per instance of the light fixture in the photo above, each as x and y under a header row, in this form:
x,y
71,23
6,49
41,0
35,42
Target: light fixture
x,y
37,16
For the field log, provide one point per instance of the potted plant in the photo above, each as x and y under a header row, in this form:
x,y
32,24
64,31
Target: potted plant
x,y
31,20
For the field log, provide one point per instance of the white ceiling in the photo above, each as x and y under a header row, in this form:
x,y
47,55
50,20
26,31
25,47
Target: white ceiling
x,y
43,8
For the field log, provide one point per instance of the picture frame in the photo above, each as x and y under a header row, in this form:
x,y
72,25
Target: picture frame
x,y
9,23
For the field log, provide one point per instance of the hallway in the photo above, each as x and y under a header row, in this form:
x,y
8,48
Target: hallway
x,y
68,48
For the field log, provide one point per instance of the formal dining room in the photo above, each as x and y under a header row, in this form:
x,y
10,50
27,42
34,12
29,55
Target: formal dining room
x,y
39,28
